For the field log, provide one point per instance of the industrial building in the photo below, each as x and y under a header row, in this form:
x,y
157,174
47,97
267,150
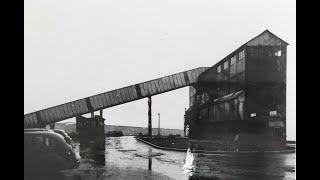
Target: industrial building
x,y
91,130
243,94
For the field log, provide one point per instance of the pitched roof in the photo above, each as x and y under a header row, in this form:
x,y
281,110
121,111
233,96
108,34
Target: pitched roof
x,y
266,38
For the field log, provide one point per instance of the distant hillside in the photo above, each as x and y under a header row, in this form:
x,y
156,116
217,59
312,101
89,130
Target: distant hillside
x,y
127,130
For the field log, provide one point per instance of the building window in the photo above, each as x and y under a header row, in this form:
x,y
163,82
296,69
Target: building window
x,y
253,114
273,113
37,141
233,60
225,65
218,69
278,53
241,55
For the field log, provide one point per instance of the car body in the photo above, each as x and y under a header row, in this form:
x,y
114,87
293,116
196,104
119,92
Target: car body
x,y
46,150
37,129
65,135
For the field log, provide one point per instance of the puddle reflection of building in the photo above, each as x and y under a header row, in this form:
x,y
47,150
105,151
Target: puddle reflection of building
x,y
94,150
117,142
150,159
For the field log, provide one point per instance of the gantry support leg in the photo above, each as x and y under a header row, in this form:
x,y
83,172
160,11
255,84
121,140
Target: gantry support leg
x,y
101,113
52,125
149,117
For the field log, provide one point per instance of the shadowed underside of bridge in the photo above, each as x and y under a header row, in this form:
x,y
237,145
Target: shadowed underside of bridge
x,y
112,98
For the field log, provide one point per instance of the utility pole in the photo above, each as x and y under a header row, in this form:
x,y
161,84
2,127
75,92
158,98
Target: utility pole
x,y
159,125
184,123
149,117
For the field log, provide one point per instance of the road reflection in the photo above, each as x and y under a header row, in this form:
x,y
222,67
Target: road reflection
x,y
127,158
150,160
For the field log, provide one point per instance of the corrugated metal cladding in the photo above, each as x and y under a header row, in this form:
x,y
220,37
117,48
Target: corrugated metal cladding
x,y
112,98
192,93
225,108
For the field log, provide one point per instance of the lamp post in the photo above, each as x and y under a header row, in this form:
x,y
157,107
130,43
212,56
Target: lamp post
x,y
159,125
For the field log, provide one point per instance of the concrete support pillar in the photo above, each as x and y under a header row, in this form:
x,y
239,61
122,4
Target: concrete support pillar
x,y
149,117
101,113
159,125
52,125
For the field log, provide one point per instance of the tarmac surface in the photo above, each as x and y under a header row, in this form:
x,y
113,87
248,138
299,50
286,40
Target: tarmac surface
x,y
127,158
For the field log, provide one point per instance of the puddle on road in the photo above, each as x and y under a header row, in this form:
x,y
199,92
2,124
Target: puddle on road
x,y
169,161
126,159
126,150
148,155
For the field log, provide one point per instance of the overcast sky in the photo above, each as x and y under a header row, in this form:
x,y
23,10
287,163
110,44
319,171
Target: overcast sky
x,y
77,48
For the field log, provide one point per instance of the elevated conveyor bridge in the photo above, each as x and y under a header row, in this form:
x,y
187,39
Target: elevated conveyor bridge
x,y
112,98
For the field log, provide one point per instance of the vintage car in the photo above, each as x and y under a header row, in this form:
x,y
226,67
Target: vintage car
x,y
47,151
66,136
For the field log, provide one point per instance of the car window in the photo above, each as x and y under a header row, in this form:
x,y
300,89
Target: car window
x,y
52,143
47,142
37,141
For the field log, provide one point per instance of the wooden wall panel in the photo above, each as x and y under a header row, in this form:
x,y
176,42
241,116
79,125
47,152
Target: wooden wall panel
x,y
150,92
172,84
154,89
190,76
161,85
135,94
164,83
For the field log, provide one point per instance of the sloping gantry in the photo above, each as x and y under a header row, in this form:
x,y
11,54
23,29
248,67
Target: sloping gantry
x,y
112,98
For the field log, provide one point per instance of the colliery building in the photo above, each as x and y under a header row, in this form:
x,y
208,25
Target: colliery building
x,y
243,94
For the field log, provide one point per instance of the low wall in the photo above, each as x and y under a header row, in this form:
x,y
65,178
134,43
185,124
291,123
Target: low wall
x,y
146,141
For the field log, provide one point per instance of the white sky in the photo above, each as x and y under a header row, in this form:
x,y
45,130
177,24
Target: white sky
x,y
77,48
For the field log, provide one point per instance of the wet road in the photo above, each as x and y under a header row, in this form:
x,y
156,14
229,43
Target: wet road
x,y
127,158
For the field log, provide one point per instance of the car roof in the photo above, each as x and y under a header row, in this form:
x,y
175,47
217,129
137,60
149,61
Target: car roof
x,y
56,136
49,132
59,130
36,129
46,133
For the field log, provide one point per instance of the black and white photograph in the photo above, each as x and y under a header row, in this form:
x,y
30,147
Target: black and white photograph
x,y
159,90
